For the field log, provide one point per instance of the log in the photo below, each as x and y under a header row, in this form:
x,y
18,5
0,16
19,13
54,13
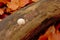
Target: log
x,y
34,14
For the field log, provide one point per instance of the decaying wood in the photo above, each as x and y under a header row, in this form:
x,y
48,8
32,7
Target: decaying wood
x,y
34,14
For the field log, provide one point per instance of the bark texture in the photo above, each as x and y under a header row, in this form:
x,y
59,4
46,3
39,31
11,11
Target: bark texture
x,y
34,13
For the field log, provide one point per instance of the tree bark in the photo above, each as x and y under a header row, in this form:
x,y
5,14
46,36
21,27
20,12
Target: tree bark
x,y
34,14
